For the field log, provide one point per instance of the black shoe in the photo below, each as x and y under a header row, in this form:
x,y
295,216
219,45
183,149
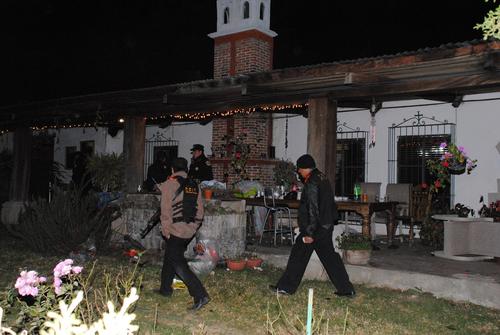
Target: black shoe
x,y
275,289
350,294
200,303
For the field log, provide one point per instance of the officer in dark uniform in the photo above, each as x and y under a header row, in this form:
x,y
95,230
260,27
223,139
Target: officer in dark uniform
x,y
200,168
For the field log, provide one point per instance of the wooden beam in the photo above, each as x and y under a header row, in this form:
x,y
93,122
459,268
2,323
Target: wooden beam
x,y
134,138
21,167
322,134
354,78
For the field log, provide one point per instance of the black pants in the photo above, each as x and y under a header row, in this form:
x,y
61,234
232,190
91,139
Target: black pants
x,y
299,258
175,263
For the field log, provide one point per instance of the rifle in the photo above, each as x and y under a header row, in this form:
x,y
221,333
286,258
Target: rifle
x,y
152,222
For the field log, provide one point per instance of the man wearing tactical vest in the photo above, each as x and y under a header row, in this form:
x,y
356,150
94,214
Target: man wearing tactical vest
x,y
181,216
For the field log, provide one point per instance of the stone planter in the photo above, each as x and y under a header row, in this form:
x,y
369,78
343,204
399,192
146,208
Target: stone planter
x,y
227,231
137,209
357,257
11,211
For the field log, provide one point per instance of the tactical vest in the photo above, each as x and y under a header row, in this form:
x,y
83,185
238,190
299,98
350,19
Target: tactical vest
x,y
189,204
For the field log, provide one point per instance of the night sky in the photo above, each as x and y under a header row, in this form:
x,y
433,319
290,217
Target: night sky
x,y
61,48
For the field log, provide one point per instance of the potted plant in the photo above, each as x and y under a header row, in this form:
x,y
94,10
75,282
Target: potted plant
x,y
236,264
284,174
356,248
253,261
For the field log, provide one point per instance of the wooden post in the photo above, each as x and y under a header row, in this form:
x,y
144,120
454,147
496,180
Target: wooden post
x,y
322,134
21,167
133,152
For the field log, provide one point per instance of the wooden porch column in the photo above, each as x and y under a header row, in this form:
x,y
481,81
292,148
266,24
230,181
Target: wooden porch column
x,y
21,167
133,151
322,134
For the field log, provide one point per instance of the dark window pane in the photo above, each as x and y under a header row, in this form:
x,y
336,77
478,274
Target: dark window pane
x,y
350,165
413,152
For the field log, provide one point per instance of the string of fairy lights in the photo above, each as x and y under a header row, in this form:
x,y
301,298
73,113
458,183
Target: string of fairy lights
x,y
201,116
229,113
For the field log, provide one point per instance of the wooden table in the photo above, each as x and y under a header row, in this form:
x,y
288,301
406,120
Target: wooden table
x,y
293,204
364,209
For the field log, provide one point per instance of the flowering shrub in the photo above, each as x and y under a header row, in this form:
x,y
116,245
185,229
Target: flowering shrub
x,y
27,283
65,322
65,271
453,160
33,296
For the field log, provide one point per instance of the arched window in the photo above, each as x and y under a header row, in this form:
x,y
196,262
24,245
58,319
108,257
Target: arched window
x,y
262,9
226,15
246,10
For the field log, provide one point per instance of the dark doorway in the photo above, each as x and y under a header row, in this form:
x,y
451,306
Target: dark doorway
x,y
43,168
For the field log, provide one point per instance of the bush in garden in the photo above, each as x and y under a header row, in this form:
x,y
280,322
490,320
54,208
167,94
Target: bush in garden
x,y
65,322
34,296
64,223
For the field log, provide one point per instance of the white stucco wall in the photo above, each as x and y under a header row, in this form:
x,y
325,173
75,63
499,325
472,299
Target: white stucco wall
x,y
477,129
187,134
297,136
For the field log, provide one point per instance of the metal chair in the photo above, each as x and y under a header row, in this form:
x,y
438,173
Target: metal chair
x,y
278,215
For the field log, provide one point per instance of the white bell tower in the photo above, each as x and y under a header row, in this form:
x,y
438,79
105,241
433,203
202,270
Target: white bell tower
x,y
243,41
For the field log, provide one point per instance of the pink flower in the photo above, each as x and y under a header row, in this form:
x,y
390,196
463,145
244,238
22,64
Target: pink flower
x,y
62,269
58,290
27,282
77,269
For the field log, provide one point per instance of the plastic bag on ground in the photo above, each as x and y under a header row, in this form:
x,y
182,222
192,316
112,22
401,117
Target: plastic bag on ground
x,y
206,258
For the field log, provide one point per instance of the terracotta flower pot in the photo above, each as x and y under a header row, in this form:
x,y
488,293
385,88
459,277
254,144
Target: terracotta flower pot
x,y
236,264
207,193
254,262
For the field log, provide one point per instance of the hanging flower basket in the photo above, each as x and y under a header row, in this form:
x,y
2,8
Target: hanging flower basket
x,y
457,167
453,161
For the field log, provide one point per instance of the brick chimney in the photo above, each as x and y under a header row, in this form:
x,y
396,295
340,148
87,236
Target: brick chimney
x,y
243,43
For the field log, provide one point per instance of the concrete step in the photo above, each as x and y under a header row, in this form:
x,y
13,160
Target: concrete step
x,y
477,290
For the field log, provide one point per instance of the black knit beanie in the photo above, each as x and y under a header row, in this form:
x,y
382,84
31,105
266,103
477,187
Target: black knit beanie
x,y
306,162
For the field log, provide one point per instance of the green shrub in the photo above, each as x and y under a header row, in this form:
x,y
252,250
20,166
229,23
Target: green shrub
x,y
354,242
64,223
107,171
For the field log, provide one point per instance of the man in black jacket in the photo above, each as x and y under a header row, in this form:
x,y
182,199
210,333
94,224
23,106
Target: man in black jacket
x,y
317,216
200,168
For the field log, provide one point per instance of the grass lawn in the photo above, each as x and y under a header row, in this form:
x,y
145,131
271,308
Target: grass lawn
x,y
242,304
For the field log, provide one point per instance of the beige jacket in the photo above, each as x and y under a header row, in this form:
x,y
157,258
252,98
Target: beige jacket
x,y
179,229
